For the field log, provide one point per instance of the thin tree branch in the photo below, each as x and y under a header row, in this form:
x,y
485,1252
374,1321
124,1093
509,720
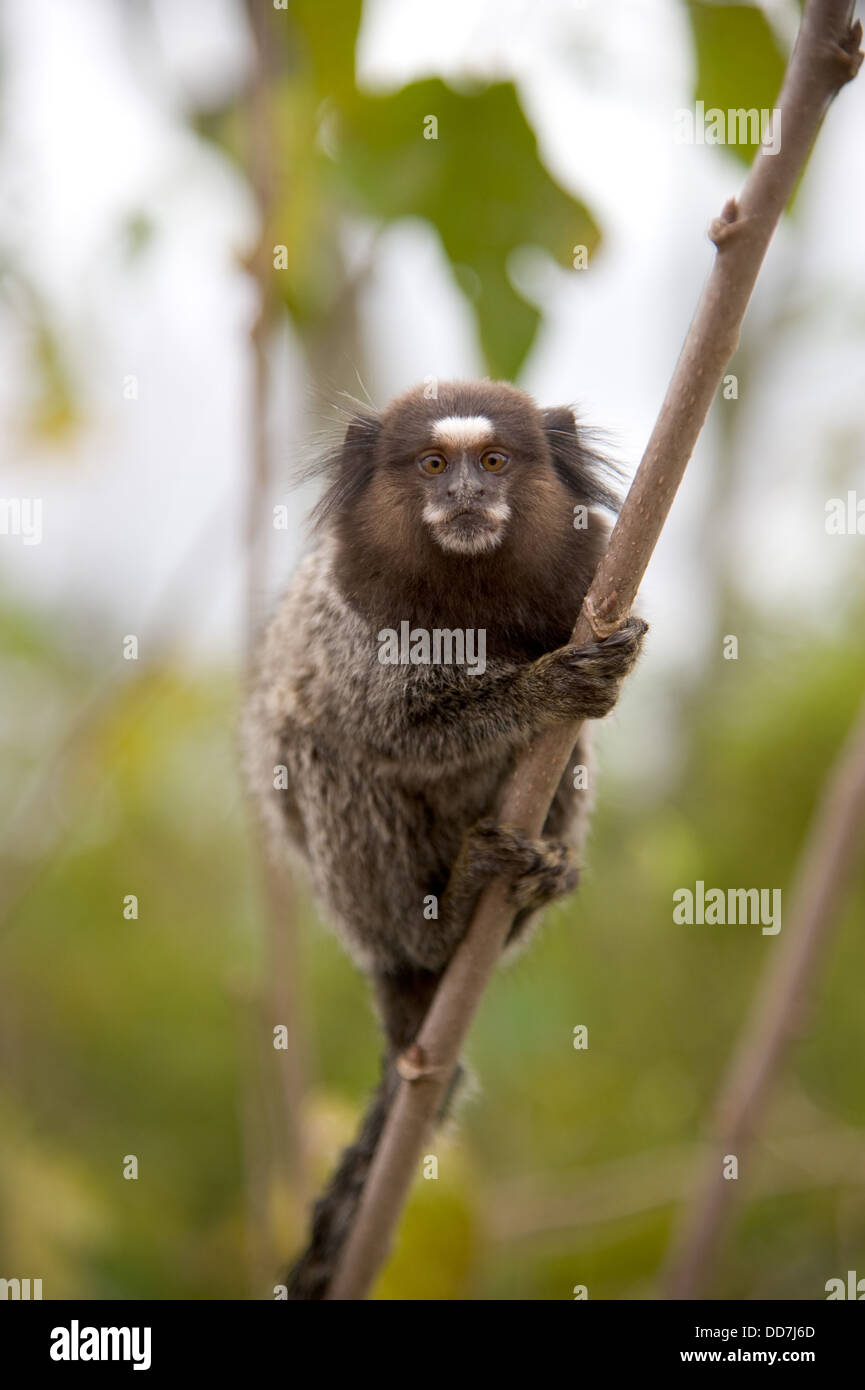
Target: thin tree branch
x,y
825,57
835,837
280,1000
262,179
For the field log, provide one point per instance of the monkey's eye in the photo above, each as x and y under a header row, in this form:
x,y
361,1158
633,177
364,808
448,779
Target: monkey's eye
x,y
432,464
493,461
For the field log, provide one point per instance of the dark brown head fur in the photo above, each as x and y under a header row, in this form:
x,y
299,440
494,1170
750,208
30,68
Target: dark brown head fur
x,y
458,511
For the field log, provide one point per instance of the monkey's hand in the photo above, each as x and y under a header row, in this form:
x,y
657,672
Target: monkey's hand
x,y
583,682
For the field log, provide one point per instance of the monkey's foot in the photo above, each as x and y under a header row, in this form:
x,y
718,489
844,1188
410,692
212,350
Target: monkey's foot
x,y
539,870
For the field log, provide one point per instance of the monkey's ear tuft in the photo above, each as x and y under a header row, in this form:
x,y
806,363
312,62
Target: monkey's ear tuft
x,y
347,468
361,432
587,473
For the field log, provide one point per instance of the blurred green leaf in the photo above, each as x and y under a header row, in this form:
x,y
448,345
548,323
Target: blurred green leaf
x,y
739,62
339,151
480,183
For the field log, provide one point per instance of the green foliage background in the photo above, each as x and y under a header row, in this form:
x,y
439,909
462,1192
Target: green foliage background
x,y
124,1037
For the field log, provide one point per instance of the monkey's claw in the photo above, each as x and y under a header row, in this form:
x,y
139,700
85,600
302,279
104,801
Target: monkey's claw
x,y
586,680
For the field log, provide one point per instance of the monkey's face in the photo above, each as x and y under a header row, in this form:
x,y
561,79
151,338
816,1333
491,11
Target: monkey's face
x,y
477,471
464,472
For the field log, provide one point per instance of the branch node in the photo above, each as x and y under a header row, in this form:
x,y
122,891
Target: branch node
x,y
413,1064
722,228
847,52
605,618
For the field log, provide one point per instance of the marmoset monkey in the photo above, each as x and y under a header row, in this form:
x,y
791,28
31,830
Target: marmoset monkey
x,y
424,642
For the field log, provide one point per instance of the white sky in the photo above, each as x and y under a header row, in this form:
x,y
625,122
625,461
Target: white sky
x,y
149,501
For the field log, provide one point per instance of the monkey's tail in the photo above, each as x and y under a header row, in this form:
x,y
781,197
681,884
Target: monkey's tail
x,y
335,1209
403,998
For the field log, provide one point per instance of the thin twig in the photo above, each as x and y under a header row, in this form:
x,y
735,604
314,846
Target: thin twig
x,y
835,838
262,178
280,1001
825,57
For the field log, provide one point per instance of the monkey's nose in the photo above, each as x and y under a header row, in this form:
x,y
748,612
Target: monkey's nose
x,y
464,484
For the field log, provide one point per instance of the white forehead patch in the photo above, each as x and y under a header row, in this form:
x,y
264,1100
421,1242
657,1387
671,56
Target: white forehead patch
x,y
462,431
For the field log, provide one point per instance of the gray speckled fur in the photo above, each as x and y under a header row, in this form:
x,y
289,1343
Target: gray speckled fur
x,y
378,802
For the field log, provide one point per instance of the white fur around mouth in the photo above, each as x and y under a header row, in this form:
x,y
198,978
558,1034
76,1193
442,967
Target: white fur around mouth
x,y
443,522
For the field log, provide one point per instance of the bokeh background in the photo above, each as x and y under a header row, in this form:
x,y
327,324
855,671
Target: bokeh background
x,y
159,379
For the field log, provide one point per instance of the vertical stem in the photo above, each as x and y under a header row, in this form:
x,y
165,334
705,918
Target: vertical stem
x,y
279,1002
834,841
